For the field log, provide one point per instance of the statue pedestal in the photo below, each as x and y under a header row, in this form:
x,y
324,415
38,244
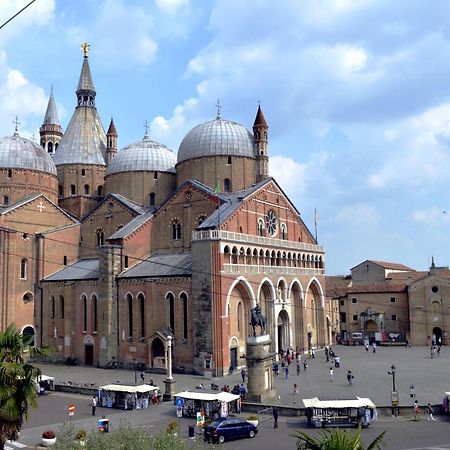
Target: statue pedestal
x,y
259,366
170,389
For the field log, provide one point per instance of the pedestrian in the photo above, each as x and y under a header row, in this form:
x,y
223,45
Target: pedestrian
x,y
367,346
94,404
327,354
407,344
151,382
243,374
286,371
313,353
337,361
295,390
276,368
438,350
242,391
142,377
350,378
374,347
430,413
432,351
275,416
305,365
416,410
298,367
331,373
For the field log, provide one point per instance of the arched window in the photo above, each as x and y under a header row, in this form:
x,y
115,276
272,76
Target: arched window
x,y
155,175
130,315
227,185
9,173
60,190
86,189
171,305
94,313
65,260
152,199
52,307
100,191
201,219
176,230
72,189
184,301
61,307
50,147
239,317
84,300
141,300
23,268
260,227
83,172
229,160
5,200
56,146
125,261
100,237
27,297
283,231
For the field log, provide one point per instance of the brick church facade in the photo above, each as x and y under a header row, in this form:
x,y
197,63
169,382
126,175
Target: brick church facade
x,y
104,254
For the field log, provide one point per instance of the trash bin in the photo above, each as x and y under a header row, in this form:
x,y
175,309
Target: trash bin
x,y
191,431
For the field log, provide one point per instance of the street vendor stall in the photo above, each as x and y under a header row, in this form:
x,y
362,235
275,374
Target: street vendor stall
x,y
212,404
45,384
126,397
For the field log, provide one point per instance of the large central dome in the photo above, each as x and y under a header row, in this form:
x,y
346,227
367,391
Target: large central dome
x,y
143,155
215,138
18,152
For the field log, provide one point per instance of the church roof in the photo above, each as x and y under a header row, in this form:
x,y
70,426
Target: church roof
x,y
18,152
51,115
84,141
217,137
131,226
144,155
83,269
161,265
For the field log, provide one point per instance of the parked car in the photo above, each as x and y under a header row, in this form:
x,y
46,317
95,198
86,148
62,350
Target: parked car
x,y
225,429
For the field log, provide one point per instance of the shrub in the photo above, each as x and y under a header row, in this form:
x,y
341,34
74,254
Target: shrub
x,y
172,427
81,435
48,434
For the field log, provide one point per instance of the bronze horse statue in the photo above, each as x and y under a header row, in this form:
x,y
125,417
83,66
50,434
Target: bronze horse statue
x,y
257,319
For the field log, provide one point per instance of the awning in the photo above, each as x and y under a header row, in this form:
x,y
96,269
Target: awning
x,y
45,378
207,396
131,389
358,402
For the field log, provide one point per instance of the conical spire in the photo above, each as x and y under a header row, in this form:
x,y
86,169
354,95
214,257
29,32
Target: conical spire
x,y
433,266
51,115
260,119
112,128
85,89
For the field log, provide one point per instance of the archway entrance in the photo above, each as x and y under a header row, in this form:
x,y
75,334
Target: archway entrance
x,y
88,350
29,331
283,331
370,328
436,339
158,354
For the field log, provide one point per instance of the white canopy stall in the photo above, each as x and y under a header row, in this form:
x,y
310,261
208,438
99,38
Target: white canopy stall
x,y
220,404
126,397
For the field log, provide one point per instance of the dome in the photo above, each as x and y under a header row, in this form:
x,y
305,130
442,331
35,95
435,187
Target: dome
x,y
143,155
18,152
217,137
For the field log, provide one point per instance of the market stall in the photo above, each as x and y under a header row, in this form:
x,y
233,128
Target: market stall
x,y
127,397
45,384
212,404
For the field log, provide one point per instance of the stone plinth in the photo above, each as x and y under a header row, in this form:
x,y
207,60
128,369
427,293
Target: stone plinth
x,y
170,389
259,366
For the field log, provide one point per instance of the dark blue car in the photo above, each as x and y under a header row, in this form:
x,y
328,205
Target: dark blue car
x,y
225,429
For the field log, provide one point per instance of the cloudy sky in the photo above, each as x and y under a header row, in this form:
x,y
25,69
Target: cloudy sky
x,y
356,94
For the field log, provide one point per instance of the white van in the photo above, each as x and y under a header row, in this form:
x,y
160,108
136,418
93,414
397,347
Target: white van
x,y
357,339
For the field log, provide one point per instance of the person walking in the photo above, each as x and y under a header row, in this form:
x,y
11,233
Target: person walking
x,y
337,361
295,390
331,373
350,378
305,365
374,347
416,410
142,377
94,404
327,354
243,374
286,371
275,417
298,367
430,413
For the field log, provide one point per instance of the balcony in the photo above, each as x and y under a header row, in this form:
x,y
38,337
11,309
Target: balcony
x,y
244,269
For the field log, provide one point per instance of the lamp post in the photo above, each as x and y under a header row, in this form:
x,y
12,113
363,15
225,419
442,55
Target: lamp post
x,y
169,357
169,381
394,394
135,372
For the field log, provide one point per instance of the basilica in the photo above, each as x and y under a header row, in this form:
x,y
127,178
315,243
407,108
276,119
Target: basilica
x,y
115,255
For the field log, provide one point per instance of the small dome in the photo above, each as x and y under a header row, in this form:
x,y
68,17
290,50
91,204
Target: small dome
x,y
143,155
18,152
217,137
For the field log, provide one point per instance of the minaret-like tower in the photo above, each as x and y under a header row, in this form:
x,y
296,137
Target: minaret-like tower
x,y
51,131
111,142
260,132
81,155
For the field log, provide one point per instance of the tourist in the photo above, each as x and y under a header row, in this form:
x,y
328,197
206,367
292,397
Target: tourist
x,y
350,378
295,390
331,373
374,347
430,413
94,404
275,417
305,365
337,361
243,374
286,371
416,410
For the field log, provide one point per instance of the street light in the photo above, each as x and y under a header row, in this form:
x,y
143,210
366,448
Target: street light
x,y
169,357
135,370
394,394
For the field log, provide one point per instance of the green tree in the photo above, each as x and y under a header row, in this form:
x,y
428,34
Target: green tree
x,y
336,440
18,378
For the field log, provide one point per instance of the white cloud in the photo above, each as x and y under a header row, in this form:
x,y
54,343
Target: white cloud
x,y
430,215
171,6
289,173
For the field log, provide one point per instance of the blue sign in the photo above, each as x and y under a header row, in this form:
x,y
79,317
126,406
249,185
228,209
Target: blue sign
x,y
179,402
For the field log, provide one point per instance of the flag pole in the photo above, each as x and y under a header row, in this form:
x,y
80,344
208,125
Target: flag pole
x,y
315,222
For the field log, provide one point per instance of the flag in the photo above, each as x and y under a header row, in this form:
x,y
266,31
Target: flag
x,y
315,217
216,193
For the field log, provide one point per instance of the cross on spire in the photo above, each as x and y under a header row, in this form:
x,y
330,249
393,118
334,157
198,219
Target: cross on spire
x,y
146,126
16,128
219,107
85,47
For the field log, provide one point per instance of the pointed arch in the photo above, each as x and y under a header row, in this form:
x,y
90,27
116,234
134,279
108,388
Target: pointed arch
x,y
241,280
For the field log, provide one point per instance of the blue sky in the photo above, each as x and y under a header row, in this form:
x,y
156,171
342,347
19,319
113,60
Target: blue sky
x,y
356,94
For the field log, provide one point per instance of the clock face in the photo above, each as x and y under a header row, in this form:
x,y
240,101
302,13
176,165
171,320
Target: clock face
x,y
271,222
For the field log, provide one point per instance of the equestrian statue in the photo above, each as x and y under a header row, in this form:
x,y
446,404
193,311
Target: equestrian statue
x,y
257,319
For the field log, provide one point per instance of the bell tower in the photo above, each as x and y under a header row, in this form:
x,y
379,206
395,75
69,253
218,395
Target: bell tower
x,y
260,133
51,131
111,142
